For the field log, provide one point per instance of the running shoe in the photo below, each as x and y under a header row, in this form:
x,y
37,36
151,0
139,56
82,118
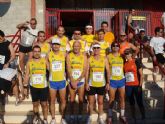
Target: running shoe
x,y
100,121
53,121
63,121
89,121
45,121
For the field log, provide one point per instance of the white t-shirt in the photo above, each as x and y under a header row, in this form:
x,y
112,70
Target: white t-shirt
x,y
157,43
29,36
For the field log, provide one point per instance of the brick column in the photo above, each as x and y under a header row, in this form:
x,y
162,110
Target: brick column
x,y
33,8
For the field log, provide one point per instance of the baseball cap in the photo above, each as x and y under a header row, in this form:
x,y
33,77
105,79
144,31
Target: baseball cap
x,y
56,41
122,33
88,26
96,44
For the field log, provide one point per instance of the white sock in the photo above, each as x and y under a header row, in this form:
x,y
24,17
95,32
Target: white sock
x,y
122,112
110,112
100,117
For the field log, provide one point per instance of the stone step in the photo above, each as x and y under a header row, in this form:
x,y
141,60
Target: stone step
x,y
17,118
148,64
159,85
149,77
144,60
147,71
26,118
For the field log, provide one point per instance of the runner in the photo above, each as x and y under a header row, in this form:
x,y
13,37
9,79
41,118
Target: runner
x,y
63,39
36,71
134,81
77,37
103,44
117,81
88,37
76,66
57,79
109,36
41,41
124,44
96,81
29,36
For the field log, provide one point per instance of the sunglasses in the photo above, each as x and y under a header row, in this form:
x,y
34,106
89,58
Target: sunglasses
x,y
115,46
122,35
77,33
96,47
126,53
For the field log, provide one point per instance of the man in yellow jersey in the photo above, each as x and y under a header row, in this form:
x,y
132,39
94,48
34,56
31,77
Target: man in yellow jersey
x,y
103,44
117,81
36,71
109,36
88,37
57,79
45,47
63,39
76,67
97,81
77,37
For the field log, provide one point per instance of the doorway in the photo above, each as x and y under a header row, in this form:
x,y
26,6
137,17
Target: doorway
x,y
75,20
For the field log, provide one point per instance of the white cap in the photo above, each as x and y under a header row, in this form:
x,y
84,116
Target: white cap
x,y
56,41
142,29
88,26
96,45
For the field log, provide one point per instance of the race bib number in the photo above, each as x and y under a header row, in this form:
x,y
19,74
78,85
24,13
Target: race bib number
x,y
129,77
37,78
2,59
116,71
98,76
76,73
57,66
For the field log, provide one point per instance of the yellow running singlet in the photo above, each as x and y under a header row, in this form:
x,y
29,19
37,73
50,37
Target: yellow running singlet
x,y
97,72
38,73
57,66
77,65
116,67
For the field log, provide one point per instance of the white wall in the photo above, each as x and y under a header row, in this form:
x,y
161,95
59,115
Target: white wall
x,y
20,11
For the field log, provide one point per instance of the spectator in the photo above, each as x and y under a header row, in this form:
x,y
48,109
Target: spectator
x,y
134,81
29,36
157,48
124,44
7,55
163,20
